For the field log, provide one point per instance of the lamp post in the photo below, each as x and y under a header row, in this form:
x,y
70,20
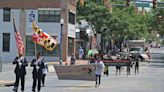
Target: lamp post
x,y
61,23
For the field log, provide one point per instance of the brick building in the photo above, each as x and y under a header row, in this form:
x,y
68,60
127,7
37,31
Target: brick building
x,y
47,15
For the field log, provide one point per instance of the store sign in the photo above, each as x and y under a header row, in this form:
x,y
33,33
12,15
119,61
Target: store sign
x,y
71,30
31,16
143,4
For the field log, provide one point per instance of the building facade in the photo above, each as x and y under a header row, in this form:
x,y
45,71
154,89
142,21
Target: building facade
x,y
47,15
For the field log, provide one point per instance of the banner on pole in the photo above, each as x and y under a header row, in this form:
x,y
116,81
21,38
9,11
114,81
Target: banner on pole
x,y
19,41
116,62
76,72
43,38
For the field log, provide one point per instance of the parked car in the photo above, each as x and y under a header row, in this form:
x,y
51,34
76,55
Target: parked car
x,y
138,52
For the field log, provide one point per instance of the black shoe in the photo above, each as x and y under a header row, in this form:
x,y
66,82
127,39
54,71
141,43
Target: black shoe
x,y
15,89
33,90
43,85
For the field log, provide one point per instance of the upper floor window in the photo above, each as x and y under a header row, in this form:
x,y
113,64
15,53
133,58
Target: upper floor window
x,y
48,15
71,18
6,42
6,14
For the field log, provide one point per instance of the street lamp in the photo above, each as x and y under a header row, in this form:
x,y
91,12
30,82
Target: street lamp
x,y
61,23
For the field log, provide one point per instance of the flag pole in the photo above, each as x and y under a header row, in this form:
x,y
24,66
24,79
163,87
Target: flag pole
x,y
35,49
19,42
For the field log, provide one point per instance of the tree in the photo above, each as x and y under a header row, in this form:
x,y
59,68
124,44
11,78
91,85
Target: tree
x,y
122,24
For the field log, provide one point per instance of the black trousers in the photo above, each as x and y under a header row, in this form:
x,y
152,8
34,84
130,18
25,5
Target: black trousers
x,y
18,77
128,70
98,79
136,69
43,78
118,69
35,80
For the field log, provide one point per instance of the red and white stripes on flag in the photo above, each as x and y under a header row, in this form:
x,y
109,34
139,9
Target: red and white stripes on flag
x,y
19,42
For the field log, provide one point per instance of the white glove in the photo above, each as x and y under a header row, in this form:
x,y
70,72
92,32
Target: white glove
x,y
37,67
20,63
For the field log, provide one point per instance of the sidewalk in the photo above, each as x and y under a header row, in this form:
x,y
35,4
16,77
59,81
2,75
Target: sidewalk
x,y
7,75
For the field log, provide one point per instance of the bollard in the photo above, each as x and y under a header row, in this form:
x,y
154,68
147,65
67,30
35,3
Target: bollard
x,y
1,63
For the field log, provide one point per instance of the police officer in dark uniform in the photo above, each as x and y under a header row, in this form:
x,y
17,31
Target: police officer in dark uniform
x,y
38,65
20,71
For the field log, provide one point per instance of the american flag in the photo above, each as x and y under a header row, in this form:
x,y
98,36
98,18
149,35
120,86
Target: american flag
x,y
19,42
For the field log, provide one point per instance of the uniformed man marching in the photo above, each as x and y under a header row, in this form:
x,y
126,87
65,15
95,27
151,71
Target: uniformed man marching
x,y
38,65
20,71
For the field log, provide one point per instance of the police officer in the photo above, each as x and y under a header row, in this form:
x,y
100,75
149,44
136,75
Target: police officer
x,y
38,65
20,71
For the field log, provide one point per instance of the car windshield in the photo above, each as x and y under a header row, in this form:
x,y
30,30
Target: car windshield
x,y
135,49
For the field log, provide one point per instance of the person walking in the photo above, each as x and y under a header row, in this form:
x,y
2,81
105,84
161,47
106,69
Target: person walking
x,y
81,53
136,67
129,65
38,65
20,71
118,68
73,60
44,73
98,71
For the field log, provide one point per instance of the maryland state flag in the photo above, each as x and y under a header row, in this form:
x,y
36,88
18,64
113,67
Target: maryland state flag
x,y
42,38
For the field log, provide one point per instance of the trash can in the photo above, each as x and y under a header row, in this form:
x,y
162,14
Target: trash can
x,y
1,63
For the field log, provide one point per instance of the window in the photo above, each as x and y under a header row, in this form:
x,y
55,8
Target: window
x,y
30,48
49,15
71,18
6,42
70,46
6,15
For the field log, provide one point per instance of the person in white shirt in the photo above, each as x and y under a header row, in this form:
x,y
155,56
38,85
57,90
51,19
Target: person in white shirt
x,y
81,53
44,73
99,69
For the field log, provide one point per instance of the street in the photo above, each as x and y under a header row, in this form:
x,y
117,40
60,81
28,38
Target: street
x,y
149,79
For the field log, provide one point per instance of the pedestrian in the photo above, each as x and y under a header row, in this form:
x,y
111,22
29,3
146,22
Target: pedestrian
x,y
38,65
129,65
91,59
73,60
20,71
136,67
106,70
99,69
44,73
81,53
118,68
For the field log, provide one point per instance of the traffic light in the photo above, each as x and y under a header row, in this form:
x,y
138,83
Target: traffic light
x,y
82,2
108,5
154,4
127,2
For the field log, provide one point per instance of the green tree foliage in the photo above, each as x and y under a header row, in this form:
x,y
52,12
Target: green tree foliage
x,y
123,23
